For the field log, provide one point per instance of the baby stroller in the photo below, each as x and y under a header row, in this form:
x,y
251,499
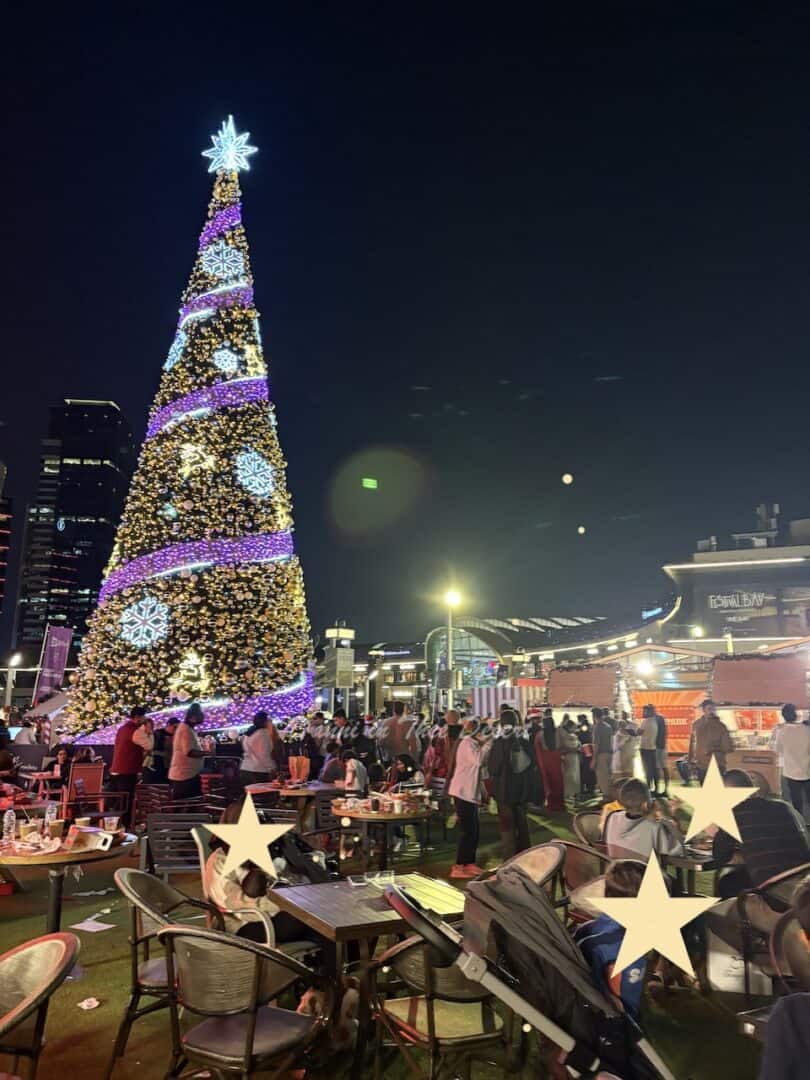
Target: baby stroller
x,y
539,974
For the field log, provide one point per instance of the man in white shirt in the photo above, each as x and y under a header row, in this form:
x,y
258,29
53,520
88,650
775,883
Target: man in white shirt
x,y
791,741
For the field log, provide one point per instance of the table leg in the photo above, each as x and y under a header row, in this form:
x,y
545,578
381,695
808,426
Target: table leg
x,y
385,844
363,1010
56,881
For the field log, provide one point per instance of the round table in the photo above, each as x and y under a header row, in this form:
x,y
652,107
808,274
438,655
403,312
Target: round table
x,y
364,818
57,863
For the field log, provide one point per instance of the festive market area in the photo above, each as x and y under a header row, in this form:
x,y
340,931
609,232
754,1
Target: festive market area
x,y
322,795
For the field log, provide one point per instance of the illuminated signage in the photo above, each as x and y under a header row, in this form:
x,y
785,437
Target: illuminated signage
x,y
736,600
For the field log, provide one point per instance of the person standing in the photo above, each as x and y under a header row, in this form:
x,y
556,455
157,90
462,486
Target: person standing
x,y
127,759
649,740
571,752
549,763
162,753
585,736
26,736
187,757
791,741
661,759
602,751
464,786
709,737
625,742
257,757
511,768
397,735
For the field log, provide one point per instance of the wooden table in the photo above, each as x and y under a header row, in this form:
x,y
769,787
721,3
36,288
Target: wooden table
x,y
343,913
305,793
57,863
364,818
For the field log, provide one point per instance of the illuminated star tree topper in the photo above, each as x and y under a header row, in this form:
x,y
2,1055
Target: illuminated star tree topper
x,y
230,151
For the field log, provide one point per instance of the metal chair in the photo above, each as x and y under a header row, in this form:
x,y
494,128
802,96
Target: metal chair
x,y
445,1014
152,905
149,799
587,829
29,975
439,795
581,874
170,847
230,982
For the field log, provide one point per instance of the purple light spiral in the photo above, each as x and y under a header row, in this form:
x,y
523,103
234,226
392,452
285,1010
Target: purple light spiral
x,y
219,396
223,220
224,552
239,294
278,704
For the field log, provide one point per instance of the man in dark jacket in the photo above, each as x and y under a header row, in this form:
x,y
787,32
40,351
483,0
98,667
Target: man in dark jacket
x,y
511,767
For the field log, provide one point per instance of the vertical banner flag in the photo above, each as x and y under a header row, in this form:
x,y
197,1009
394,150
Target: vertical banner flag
x,y
53,661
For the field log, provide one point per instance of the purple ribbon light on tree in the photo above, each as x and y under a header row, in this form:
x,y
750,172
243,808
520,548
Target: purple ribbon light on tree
x,y
223,395
237,294
263,547
223,220
221,713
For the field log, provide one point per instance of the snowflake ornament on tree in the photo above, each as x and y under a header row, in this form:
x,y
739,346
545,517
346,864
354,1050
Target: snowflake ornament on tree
x,y
226,360
254,473
222,260
176,351
145,623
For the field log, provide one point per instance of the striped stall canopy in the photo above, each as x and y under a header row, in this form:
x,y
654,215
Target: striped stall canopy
x,y
487,700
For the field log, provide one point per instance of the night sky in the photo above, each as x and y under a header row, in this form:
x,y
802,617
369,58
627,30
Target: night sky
x,y
487,251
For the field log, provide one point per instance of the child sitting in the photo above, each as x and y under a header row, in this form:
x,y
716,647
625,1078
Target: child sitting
x,y
601,940
641,827
614,804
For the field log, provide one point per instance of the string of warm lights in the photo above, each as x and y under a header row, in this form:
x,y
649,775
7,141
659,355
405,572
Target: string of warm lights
x,y
203,598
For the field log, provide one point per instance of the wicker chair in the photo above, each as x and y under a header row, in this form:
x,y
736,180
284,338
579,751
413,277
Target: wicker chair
x,y
29,975
152,905
230,981
587,829
444,1015
582,872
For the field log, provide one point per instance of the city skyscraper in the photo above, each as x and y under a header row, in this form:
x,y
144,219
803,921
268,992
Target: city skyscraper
x,y
5,535
85,467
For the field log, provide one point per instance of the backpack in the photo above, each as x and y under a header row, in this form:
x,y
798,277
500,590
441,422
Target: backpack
x,y
519,758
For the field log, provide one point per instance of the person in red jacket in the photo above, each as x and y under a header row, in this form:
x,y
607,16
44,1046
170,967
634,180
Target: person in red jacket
x,y
127,759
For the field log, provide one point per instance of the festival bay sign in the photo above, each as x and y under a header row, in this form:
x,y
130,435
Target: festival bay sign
x,y
736,601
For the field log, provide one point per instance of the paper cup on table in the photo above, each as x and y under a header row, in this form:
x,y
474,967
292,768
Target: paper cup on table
x,y
83,822
55,829
28,828
398,806
110,824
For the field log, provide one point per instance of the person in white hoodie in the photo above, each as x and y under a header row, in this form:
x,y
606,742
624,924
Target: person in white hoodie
x,y
257,750
791,741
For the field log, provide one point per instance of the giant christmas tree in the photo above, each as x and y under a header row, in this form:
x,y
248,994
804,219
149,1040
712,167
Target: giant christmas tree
x,y
203,597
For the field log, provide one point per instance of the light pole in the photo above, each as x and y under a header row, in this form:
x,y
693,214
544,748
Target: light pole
x,y
452,599
11,675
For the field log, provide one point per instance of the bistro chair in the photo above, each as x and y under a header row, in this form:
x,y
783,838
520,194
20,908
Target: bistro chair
x,y
84,794
444,1014
149,799
582,877
230,982
249,914
170,847
29,975
152,904
587,829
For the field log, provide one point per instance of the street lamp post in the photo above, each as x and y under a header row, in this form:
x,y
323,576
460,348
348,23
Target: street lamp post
x,y
452,598
11,675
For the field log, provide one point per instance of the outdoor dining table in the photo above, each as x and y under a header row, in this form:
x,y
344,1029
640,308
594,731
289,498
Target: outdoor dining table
x,y
57,863
303,793
342,912
694,862
364,818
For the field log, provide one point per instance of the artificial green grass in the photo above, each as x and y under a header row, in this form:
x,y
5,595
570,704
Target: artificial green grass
x,y
696,1036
